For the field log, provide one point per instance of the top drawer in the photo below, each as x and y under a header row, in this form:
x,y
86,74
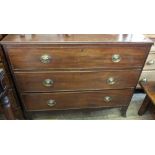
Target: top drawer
x,y
76,58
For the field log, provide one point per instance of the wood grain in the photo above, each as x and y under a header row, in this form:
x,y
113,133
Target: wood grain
x,y
76,100
76,58
73,80
149,89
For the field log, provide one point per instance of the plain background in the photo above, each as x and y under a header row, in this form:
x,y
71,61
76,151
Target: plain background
x,y
71,17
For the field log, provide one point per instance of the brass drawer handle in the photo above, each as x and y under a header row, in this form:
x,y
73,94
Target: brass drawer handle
x,y
107,98
111,81
116,58
51,103
45,58
144,80
150,62
48,82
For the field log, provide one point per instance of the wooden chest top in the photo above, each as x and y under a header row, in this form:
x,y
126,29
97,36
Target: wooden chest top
x,y
77,39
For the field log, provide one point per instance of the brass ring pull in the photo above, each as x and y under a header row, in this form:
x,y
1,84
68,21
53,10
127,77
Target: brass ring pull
x,y
150,62
116,58
51,103
111,81
107,98
48,82
144,80
45,58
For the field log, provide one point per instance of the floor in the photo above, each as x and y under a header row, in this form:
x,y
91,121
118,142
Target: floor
x,y
106,114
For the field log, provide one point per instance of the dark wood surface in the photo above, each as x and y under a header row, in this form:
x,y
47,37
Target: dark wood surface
x,y
149,89
4,99
1,109
11,93
80,64
76,58
7,77
7,108
145,105
76,100
76,80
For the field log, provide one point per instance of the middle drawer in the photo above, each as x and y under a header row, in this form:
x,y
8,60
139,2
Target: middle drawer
x,y
76,80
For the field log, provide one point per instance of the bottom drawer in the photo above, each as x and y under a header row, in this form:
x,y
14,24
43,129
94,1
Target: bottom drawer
x,y
76,100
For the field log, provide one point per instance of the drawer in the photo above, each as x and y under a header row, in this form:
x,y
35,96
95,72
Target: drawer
x,y
67,58
148,76
76,100
150,62
76,80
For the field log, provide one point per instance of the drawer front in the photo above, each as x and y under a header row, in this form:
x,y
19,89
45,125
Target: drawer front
x,y
73,80
147,76
76,100
62,58
150,62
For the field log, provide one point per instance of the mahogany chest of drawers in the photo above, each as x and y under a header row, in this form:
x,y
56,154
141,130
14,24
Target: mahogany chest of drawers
x,y
80,71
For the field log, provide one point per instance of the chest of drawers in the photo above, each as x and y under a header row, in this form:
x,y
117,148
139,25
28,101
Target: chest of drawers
x,y
60,72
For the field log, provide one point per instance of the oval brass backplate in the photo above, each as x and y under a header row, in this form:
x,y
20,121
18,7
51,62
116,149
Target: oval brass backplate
x,y
51,103
48,82
116,58
45,58
107,98
111,81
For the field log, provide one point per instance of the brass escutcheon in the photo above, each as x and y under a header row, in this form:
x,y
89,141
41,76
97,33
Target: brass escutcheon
x,y
45,58
51,103
48,82
107,98
116,58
